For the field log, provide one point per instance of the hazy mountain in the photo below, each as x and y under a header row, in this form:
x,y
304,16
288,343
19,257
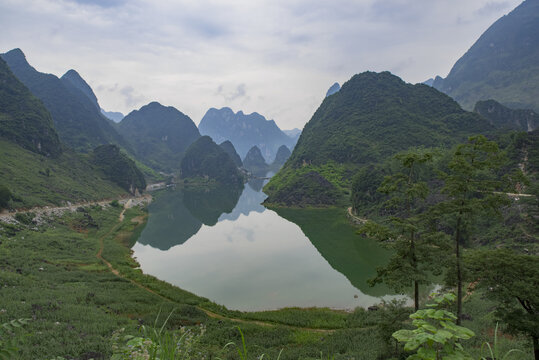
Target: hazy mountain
x,y
429,82
244,131
254,161
293,133
228,147
205,159
333,89
78,82
24,119
159,135
282,155
77,120
503,117
113,115
503,64
372,117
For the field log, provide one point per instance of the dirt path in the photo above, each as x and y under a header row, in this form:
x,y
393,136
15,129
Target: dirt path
x,y
356,219
48,211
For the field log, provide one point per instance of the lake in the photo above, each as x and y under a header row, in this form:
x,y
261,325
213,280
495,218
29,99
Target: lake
x,y
224,245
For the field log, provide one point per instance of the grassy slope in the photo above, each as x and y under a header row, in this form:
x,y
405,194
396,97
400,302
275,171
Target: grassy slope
x,y
71,178
76,303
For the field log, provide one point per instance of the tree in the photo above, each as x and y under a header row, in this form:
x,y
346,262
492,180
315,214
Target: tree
x,y
409,263
512,281
5,196
470,185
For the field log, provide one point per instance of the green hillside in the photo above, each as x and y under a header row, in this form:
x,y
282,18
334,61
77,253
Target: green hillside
x,y
37,180
205,159
23,118
254,161
119,168
159,135
505,118
78,122
503,64
229,148
373,116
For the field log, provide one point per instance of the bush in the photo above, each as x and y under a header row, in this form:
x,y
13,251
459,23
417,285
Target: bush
x,y
5,197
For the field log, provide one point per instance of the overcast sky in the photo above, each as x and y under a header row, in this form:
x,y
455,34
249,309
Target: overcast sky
x,y
275,57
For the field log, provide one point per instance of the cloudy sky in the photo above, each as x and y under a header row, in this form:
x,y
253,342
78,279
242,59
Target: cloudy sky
x,y
275,57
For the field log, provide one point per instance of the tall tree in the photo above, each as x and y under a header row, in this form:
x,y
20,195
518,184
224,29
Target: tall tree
x,y
512,281
408,265
469,185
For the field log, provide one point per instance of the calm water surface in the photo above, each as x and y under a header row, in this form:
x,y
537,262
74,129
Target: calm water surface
x,y
225,246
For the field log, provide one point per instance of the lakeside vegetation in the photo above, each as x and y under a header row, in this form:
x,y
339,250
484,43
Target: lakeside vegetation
x,y
78,306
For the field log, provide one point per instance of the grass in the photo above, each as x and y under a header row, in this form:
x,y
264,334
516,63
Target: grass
x,y
78,306
37,180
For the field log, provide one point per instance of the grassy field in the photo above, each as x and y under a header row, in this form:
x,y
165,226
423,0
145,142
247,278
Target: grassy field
x,y
74,278
37,180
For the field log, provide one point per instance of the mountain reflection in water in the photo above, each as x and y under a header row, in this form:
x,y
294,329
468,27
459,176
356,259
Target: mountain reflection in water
x,y
224,245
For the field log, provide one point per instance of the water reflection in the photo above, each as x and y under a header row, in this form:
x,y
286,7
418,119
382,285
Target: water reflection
x,y
170,223
208,204
247,257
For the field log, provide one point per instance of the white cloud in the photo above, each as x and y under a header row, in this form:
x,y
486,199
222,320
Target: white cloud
x,y
286,53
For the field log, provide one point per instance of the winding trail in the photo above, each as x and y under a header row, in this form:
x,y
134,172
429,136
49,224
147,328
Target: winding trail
x,y
356,219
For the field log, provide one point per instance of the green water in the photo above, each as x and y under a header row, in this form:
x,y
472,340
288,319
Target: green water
x,y
224,245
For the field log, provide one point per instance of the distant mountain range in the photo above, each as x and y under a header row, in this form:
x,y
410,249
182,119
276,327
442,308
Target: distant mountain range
x,y
503,64
113,115
245,131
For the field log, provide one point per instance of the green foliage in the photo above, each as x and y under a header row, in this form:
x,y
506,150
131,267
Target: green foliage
x,y
254,162
206,159
470,188
157,343
159,135
506,118
23,118
8,347
72,177
411,260
119,168
372,117
229,148
242,351
5,197
77,120
436,335
512,281
25,218
494,351
310,185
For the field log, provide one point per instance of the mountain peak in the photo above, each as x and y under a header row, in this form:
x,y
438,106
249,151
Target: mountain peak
x,y
333,89
16,58
244,131
74,79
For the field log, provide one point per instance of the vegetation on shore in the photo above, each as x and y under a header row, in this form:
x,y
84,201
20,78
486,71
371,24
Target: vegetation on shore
x,y
37,180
